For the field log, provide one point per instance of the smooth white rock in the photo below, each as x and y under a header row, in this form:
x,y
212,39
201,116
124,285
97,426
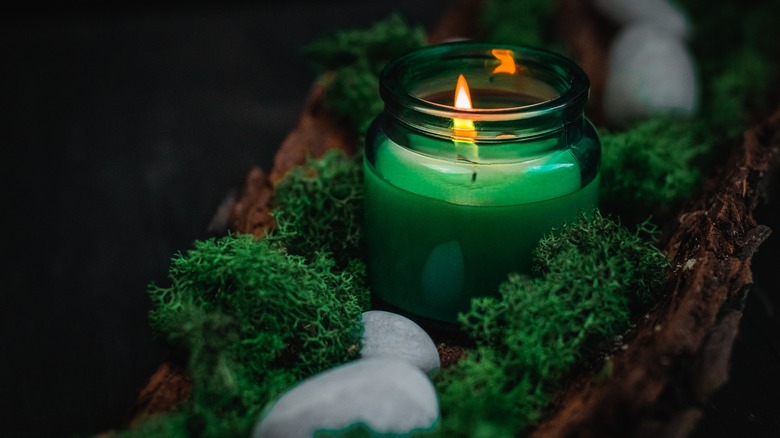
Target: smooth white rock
x,y
391,335
649,71
660,13
387,395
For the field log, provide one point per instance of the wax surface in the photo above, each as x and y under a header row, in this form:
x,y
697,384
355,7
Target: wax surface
x,y
430,257
460,182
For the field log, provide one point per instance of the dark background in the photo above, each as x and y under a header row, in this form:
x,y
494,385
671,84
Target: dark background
x,y
124,129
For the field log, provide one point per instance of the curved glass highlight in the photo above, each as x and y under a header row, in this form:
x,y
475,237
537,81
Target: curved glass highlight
x,y
457,198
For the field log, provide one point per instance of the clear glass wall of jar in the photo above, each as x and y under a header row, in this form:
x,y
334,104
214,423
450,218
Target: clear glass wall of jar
x,y
458,194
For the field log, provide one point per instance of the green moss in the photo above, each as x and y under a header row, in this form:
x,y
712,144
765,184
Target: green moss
x,y
265,293
604,253
361,430
478,398
736,60
375,45
526,22
352,97
319,208
167,425
591,274
253,320
737,92
651,167
356,57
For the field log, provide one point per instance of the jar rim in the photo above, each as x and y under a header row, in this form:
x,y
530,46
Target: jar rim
x,y
572,87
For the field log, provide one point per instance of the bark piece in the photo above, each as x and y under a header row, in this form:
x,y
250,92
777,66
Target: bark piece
x,y
250,213
165,389
449,354
679,354
315,134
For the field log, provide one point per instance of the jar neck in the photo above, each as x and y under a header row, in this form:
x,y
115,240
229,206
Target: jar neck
x,y
543,96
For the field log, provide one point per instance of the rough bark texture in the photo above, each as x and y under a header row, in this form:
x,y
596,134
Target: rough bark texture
x,y
679,354
166,388
315,134
251,211
449,355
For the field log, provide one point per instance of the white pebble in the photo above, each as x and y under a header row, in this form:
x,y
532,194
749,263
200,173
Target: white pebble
x,y
389,396
650,71
391,335
662,14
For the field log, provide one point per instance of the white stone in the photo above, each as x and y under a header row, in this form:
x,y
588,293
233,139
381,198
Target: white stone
x,y
659,13
390,396
394,336
649,71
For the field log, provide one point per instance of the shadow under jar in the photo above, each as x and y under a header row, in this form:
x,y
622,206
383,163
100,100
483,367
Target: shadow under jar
x,y
459,190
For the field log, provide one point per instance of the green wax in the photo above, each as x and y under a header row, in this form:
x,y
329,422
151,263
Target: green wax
x,y
441,232
465,182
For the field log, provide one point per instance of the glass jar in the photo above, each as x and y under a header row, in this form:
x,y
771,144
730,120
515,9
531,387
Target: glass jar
x,y
459,191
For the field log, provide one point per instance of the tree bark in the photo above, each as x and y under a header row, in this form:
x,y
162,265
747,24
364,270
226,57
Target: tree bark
x,y
679,353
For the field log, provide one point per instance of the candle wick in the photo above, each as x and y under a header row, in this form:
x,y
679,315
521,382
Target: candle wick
x,y
473,176
460,157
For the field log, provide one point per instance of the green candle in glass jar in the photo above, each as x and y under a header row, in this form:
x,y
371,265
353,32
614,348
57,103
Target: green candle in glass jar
x,y
480,151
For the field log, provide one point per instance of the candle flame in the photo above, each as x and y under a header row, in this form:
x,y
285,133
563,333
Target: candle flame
x,y
462,94
464,129
507,61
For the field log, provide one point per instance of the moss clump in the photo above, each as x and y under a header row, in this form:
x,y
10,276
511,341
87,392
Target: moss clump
x,y
375,45
168,425
738,91
360,430
604,254
736,58
654,165
356,57
524,22
591,273
252,320
319,208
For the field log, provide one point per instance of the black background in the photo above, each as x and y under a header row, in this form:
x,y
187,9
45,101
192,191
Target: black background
x,y
124,129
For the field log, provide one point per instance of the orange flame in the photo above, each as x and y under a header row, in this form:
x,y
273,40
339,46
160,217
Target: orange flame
x,y
464,129
507,61
462,93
